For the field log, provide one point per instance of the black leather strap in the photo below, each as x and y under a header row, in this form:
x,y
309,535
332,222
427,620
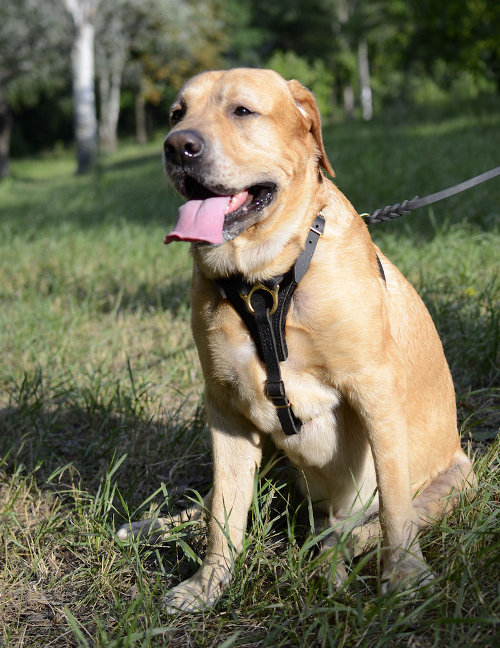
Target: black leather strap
x,y
275,388
302,263
263,307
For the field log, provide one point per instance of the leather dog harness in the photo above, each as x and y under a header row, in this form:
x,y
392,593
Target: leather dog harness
x,y
263,307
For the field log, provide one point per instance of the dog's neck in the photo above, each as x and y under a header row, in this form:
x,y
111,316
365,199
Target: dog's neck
x,y
266,249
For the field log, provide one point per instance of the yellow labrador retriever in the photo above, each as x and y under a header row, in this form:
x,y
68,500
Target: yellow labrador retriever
x,y
306,333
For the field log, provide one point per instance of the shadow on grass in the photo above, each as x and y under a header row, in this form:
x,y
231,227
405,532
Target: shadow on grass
x,y
74,437
133,189
90,420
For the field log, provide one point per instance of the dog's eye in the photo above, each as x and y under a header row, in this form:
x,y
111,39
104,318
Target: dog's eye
x,y
176,116
242,111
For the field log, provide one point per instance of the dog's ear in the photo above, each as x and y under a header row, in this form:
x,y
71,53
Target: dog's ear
x,y
308,107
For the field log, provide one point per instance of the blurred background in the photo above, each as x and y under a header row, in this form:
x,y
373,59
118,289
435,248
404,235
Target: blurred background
x,y
95,71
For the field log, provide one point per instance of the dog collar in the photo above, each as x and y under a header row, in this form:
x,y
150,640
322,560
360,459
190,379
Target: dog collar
x,y
263,307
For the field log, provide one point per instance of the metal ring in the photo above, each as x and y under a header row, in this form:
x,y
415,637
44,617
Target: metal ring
x,y
259,286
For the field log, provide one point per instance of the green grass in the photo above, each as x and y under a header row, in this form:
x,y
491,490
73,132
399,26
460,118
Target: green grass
x,y
101,417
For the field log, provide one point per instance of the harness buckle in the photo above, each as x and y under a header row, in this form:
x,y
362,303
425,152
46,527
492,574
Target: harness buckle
x,y
276,392
260,286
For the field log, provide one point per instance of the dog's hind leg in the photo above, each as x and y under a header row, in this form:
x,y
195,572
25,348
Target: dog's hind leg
x,y
431,502
443,493
157,529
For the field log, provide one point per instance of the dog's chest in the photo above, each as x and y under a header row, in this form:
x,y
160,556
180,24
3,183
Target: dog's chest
x,y
242,378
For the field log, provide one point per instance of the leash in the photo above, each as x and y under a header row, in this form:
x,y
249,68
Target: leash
x,y
403,208
263,307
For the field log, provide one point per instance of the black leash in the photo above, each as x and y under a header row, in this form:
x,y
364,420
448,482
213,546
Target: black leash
x,y
407,206
263,307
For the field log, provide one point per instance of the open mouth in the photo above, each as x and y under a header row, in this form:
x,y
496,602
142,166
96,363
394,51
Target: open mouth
x,y
213,215
243,208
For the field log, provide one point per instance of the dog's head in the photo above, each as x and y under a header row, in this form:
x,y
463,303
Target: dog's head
x,y
244,150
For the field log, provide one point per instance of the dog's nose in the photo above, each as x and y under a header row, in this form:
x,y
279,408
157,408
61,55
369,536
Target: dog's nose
x,y
182,146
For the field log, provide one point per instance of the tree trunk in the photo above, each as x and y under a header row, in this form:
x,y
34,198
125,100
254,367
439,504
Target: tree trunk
x,y
364,80
82,58
140,118
339,28
109,91
5,131
348,93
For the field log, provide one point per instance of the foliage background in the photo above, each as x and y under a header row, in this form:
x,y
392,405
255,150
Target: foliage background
x,y
419,53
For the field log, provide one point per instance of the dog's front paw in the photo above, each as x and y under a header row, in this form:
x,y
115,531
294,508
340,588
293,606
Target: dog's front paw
x,y
189,596
407,572
197,593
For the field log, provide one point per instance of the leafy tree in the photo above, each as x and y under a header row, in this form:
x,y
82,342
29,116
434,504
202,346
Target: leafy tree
x,y
333,32
463,33
257,28
33,40
178,39
115,23
379,47
316,76
148,44
358,26
345,50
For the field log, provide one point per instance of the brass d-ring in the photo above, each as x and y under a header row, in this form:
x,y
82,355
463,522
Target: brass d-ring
x,y
258,286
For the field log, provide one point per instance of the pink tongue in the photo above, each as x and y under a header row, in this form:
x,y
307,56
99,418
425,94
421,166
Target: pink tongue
x,y
202,221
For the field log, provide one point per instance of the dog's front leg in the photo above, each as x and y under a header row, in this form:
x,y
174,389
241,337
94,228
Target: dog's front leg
x,y
382,400
236,458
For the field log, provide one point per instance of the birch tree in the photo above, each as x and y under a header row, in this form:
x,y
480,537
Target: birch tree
x,y
364,80
351,22
124,28
116,23
83,16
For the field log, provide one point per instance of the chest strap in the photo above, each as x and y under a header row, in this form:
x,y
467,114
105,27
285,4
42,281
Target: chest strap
x,y
263,307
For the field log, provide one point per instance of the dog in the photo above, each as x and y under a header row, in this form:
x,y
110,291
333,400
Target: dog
x,y
362,401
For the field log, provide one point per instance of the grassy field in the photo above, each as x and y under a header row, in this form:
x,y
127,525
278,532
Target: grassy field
x,y
101,418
